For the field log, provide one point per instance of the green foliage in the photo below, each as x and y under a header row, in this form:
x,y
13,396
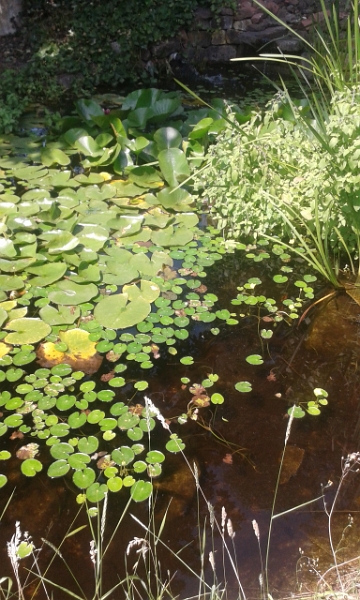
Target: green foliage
x,y
284,177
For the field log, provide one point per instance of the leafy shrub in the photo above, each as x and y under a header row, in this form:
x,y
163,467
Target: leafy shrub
x,y
274,163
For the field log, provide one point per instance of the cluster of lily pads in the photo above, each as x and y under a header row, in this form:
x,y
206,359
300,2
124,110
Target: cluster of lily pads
x,y
102,263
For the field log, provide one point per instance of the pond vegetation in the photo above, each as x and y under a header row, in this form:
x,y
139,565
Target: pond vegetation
x,y
105,251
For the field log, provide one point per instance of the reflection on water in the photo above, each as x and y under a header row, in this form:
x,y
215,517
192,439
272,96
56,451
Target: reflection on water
x,y
242,482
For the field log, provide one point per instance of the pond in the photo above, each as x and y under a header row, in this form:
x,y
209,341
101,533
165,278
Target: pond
x,y
119,291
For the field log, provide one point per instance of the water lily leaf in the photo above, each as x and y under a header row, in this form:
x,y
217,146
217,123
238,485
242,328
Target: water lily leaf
x,y
88,445
66,315
145,176
61,450
7,248
96,492
83,479
29,173
243,386
254,359
69,293
217,398
93,236
58,468
141,490
143,264
126,224
80,355
115,484
170,236
175,199
30,467
78,460
119,273
115,312
13,266
3,480
174,166
89,110
155,456
175,444
4,349
188,220
59,241
27,331
47,273
167,137
8,283
149,291
51,156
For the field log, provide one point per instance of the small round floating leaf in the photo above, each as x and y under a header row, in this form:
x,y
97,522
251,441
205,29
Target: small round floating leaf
x,y
139,466
95,416
107,424
3,480
106,395
13,420
62,370
313,410
30,467
185,380
58,468
76,420
320,393
155,456
141,490
83,479
96,491
61,450
217,398
280,278
243,386
266,334
154,470
138,448
147,424
65,402
78,460
117,382
141,385
115,484
297,412
5,455
88,445
187,360
108,435
123,456
135,434
175,444
254,359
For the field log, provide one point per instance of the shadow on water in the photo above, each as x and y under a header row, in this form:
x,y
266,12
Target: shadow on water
x,y
238,462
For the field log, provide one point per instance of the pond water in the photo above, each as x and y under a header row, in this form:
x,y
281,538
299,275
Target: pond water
x,y
237,450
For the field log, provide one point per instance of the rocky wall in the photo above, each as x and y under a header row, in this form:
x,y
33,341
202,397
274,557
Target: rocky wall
x,y
238,33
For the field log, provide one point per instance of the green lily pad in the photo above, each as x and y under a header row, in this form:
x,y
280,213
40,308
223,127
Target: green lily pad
x,y
115,484
27,331
243,386
47,273
123,456
254,359
116,312
30,467
64,316
69,293
217,398
96,492
83,479
3,480
175,444
170,236
58,468
141,490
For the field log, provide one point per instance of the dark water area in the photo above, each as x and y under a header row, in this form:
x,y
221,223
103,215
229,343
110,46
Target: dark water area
x,y
237,447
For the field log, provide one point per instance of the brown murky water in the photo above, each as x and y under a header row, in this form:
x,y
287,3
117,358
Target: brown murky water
x,y
238,471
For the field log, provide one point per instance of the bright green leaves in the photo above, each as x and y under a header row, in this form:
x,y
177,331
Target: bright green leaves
x,y
174,166
243,386
311,407
69,293
116,312
26,331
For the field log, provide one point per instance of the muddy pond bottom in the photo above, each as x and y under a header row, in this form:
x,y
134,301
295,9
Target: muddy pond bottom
x,y
233,453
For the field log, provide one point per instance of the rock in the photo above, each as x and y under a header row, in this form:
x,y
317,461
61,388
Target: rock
x,y
9,14
164,49
226,11
218,38
246,11
290,45
203,13
220,54
226,22
199,38
234,37
242,25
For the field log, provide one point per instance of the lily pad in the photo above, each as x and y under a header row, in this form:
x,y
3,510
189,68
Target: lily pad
x,y
69,293
141,490
115,312
81,353
27,331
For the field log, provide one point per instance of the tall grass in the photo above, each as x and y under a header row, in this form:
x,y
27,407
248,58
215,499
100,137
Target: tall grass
x,y
146,579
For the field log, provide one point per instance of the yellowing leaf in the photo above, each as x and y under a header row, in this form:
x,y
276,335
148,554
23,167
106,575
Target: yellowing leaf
x,y
80,355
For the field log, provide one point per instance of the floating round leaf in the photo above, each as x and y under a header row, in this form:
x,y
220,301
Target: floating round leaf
x,y
115,484
122,456
81,353
30,467
83,479
141,490
254,359
155,456
243,386
3,480
27,331
175,444
88,445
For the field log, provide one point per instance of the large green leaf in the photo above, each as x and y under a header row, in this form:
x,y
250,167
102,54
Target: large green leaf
x,y
64,316
47,273
7,248
88,109
59,241
51,156
174,166
27,331
70,293
171,236
175,199
116,312
167,137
